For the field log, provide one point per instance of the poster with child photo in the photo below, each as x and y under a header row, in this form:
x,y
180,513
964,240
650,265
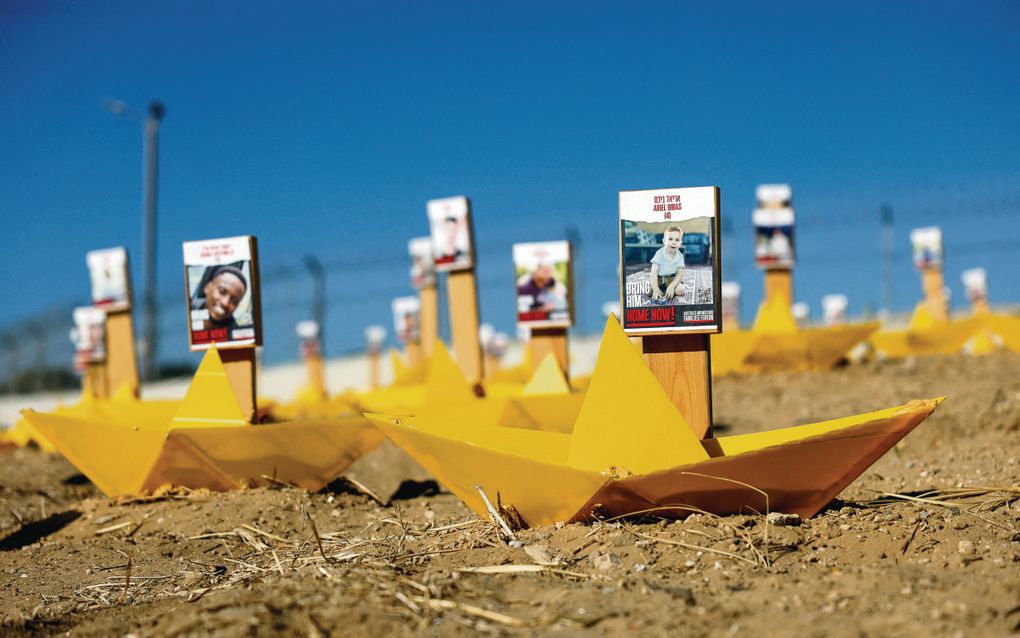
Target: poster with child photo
x,y
221,282
542,275
405,319
423,265
927,247
669,260
450,221
108,274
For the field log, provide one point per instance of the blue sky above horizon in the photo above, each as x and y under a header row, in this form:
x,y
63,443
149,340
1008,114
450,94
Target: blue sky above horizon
x,y
324,128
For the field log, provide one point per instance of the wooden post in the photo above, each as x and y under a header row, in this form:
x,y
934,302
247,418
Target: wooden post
x,y
546,340
316,374
683,365
981,306
239,364
933,283
463,304
94,380
428,319
121,363
374,373
779,285
414,353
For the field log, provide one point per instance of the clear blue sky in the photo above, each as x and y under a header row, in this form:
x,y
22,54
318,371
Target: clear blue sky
x,y
324,127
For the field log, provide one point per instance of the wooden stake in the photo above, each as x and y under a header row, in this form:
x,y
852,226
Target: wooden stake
x,y
374,373
121,363
316,374
240,367
933,283
414,354
546,340
779,285
428,319
683,366
463,303
94,380
981,306
492,363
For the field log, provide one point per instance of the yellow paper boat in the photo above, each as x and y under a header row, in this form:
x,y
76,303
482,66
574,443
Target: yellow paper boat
x,y
924,336
544,402
631,451
200,442
775,342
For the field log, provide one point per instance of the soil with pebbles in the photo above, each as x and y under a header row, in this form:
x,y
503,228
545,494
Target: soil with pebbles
x,y
335,563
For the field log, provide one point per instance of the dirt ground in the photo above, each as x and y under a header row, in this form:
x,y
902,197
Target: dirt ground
x,y
336,563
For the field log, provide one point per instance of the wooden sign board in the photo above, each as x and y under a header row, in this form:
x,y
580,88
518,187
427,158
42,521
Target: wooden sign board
x,y
975,283
224,307
375,337
110,279
834,309
89,338
453,250
543,276
222,286
669,290
926,244
308,332
407,326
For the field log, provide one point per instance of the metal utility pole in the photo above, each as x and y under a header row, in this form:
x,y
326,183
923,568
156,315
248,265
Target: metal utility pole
x,y
318,297
151,317
888,259
574,237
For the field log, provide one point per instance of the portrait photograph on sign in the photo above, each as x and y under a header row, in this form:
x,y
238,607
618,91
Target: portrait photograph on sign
x,y
975,284
222,285
773,237
406,312
423,265
543,282
89,336
669,255
108,274
450,222
927,247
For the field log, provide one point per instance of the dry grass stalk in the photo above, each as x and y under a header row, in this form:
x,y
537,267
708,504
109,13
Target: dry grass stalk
x,y
496,518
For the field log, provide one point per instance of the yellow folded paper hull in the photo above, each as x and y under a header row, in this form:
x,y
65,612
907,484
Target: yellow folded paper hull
x,y
796,470
807,349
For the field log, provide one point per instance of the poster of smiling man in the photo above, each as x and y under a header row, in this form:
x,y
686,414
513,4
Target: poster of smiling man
x,y
542,272
221,277
450,221
669,256
108,274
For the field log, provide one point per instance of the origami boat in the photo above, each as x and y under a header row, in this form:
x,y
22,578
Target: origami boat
x,y
776,342
924,336
204,441
631,451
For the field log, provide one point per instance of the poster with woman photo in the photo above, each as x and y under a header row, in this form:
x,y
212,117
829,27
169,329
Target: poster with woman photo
x,y
669,260
773,221
423,265
927,247
221,280
450,221
108,274
405,319
542,275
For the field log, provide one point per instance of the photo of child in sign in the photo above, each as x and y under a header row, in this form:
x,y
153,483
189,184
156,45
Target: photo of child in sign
x,y
927,246
405,319
542,275
773,237
423,266
450,222
669,254
88,336
656,267
109,278
222,300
